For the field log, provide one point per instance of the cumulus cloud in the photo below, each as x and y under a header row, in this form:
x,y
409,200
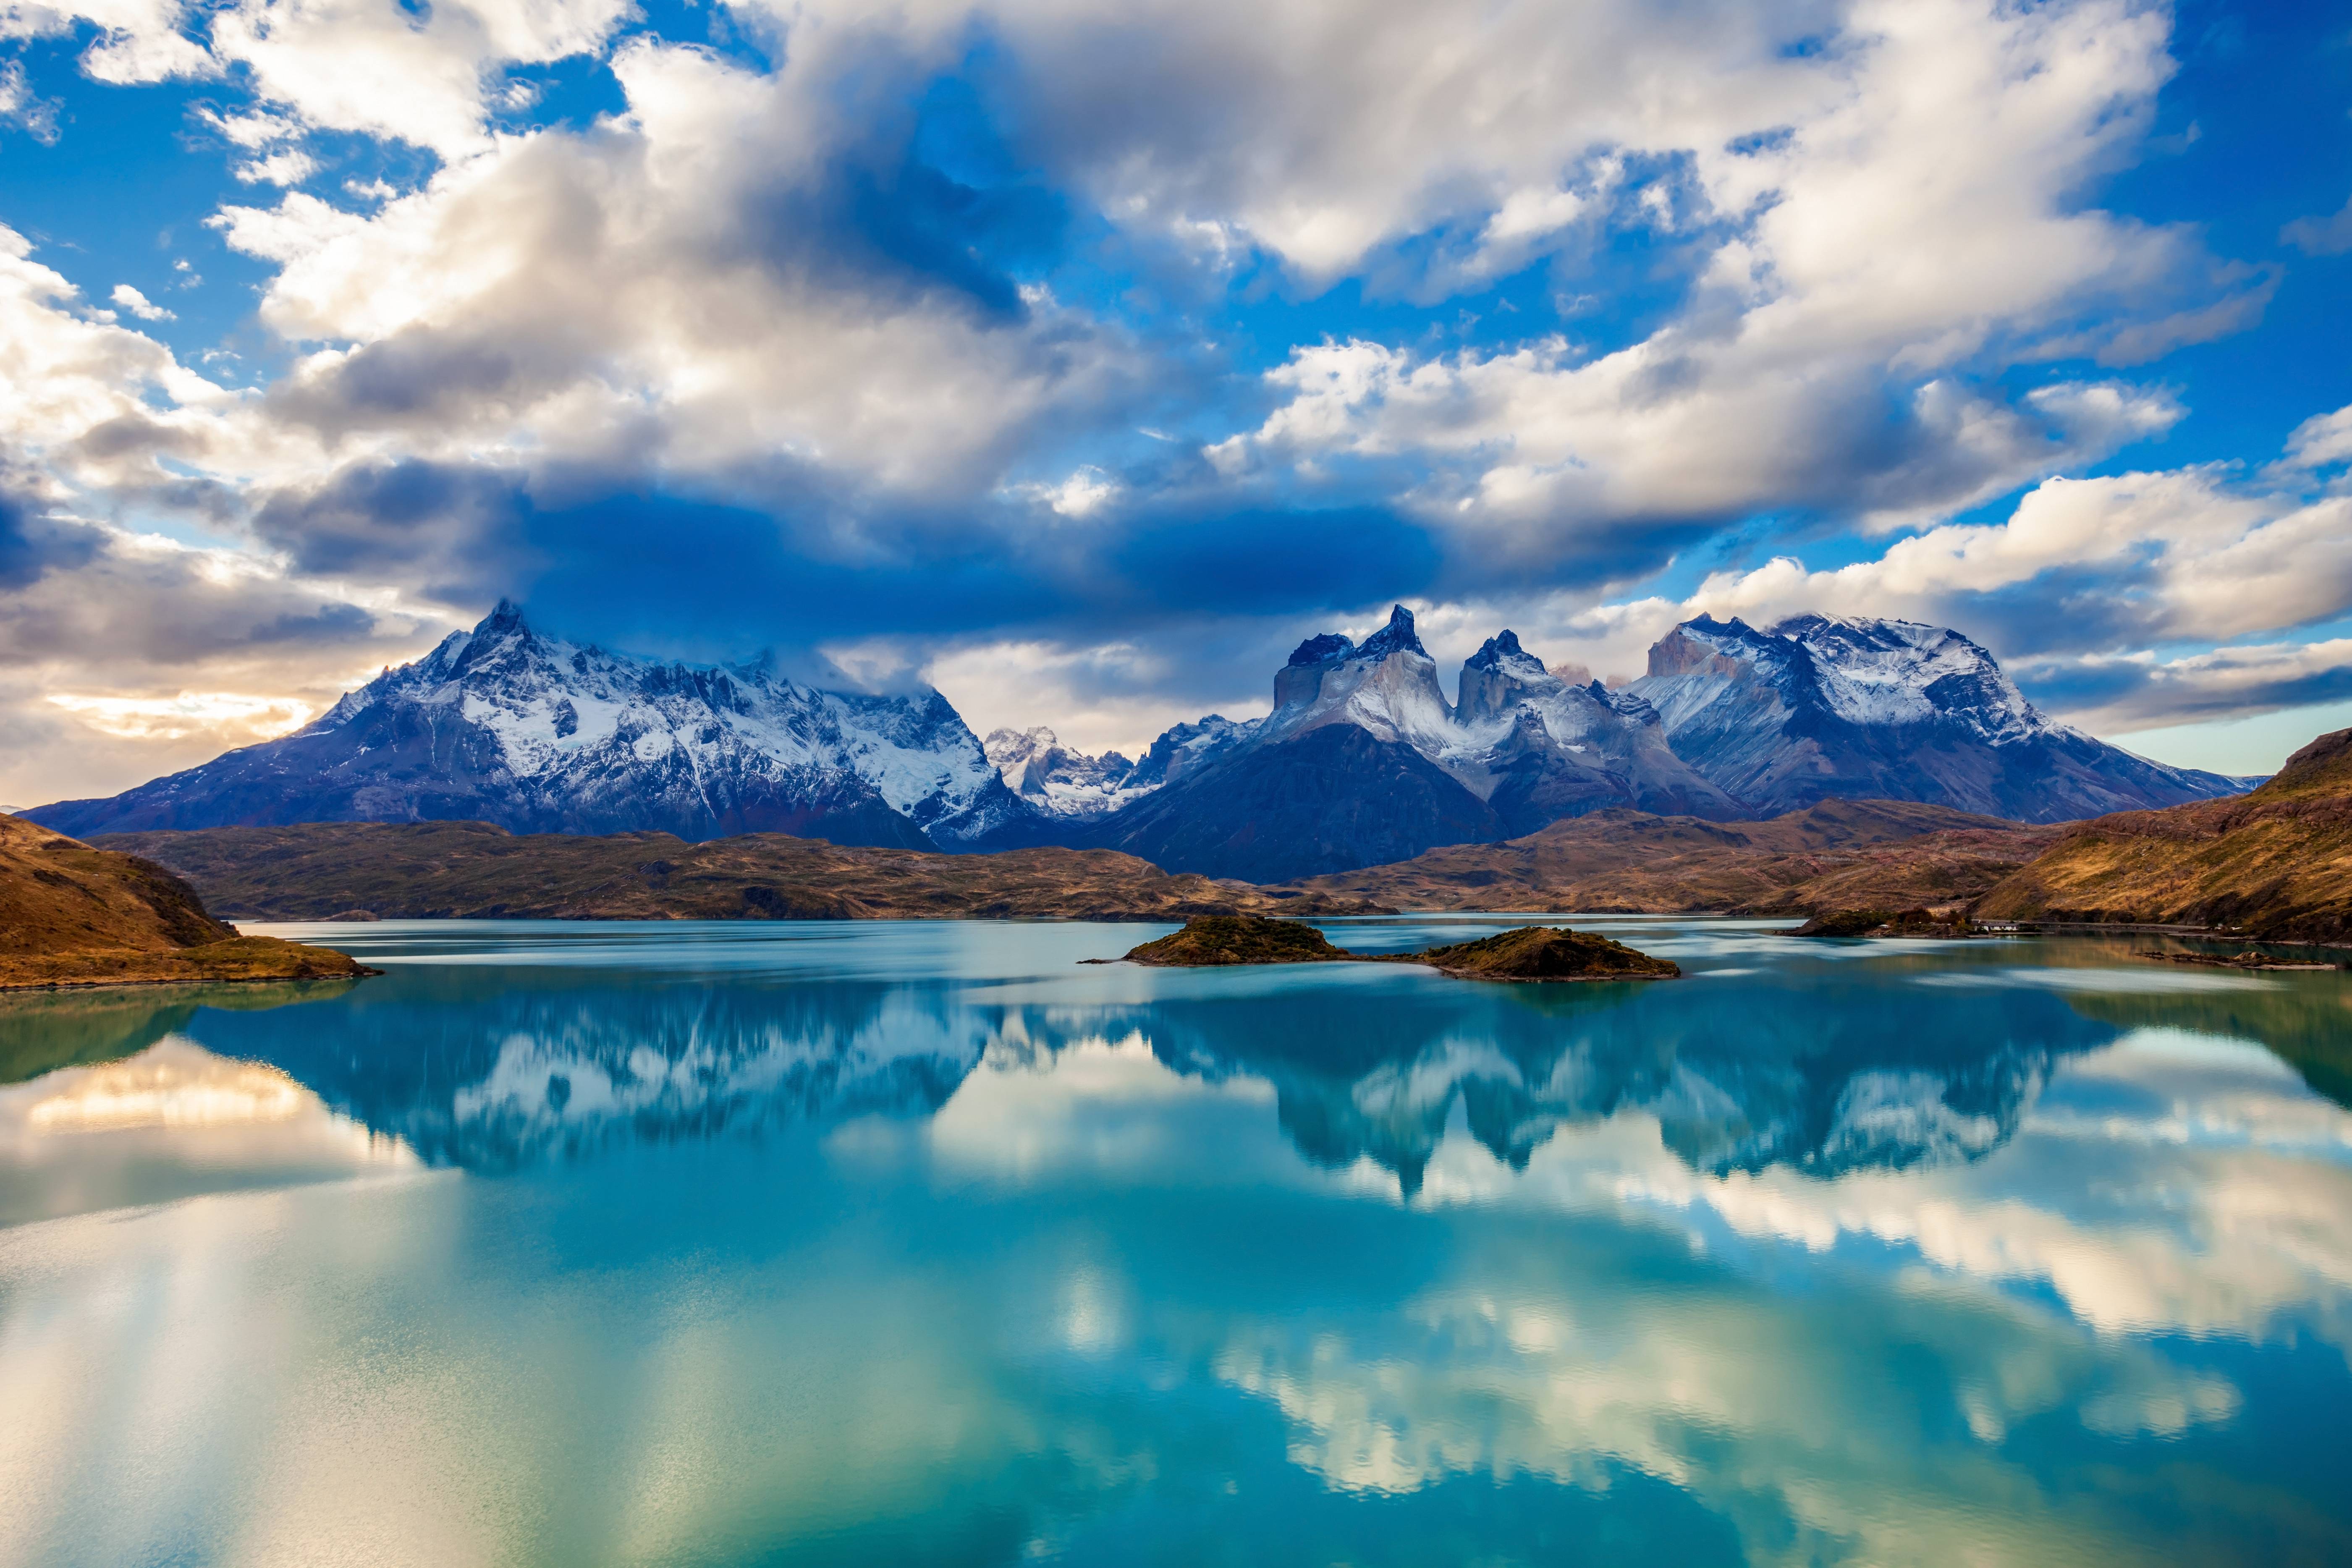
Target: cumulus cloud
x,y
135,41
2170,556
675,282
2076,589
94,403
287,167
2321,441
2139,691
138,304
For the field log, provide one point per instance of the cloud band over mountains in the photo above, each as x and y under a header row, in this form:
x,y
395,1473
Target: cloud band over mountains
x,y
1079,356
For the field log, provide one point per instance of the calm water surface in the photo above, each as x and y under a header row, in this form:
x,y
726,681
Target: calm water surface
x,y
922,1244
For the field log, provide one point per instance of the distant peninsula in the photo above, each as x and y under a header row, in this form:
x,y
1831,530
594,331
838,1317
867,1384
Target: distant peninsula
x,y
1834,855
471,870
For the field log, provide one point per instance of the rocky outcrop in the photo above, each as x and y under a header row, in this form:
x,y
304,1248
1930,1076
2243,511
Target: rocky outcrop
x,y
1216,940
1539,954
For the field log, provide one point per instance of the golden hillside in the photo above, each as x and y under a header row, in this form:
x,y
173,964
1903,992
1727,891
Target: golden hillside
x,y
2275,864
72,915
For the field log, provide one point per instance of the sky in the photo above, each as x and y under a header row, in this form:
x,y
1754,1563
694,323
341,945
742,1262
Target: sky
x,y
1082,358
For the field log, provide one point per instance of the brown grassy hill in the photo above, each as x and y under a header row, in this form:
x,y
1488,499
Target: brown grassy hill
x,y
1839,854
72,915
2277,863
470,870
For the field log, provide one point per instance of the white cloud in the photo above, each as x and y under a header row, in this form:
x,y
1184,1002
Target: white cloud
x,y
287,167
1671,430
22,107
2147,692
136,42
75,389
2321,441
375,66
1083,492
625,293
430,75
138,305
2329,236
2189,557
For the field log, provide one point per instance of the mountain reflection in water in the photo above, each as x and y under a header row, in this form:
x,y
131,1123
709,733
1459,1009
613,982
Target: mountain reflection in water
x,y
924,1244
490,1071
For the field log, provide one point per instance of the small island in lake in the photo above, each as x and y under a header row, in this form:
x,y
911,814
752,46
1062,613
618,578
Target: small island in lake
x,y
1544,952
1528,953
1211,940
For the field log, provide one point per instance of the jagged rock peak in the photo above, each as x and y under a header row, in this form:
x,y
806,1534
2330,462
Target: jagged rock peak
x,y
1397,637
1501,651
1322,649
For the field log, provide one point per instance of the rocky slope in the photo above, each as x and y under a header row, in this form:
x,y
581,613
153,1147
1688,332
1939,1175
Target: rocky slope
x,y
1816,708
1834,855
470,870
73,915
2277,863
537,734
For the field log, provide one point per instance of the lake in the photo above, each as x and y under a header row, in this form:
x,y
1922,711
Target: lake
x,y
919,1243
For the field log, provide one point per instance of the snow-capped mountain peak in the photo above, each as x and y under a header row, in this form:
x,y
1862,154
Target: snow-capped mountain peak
x,y
1819,707
1388,686
534,732
1902,672
1062,782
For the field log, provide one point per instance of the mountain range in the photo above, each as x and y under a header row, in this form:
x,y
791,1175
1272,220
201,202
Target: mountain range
x,y
1363,760
536,734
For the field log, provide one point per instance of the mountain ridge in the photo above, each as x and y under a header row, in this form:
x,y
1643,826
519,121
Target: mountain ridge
x,y
1363,760
537,734
1813,708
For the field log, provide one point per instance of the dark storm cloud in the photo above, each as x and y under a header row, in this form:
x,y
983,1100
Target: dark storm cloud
x,y
455,533
33,545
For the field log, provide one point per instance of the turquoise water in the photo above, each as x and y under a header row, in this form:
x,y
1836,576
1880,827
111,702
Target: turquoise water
x,y
922,1244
